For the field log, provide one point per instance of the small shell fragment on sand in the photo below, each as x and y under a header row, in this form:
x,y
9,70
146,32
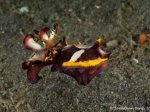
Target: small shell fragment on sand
x,y
24,9
112,44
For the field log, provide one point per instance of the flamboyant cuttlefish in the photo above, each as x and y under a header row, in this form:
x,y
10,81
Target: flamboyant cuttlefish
x,y
79,61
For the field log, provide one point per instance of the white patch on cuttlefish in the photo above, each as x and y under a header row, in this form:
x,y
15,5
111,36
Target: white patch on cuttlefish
x,y
40,55
102,53
45,36
76,55
66,47
32,44
81,46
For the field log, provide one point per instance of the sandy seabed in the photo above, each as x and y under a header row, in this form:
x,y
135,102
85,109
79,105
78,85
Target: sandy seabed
x,y
125,83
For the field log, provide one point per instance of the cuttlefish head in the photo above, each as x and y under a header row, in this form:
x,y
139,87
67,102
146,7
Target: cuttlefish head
x,y
40,57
